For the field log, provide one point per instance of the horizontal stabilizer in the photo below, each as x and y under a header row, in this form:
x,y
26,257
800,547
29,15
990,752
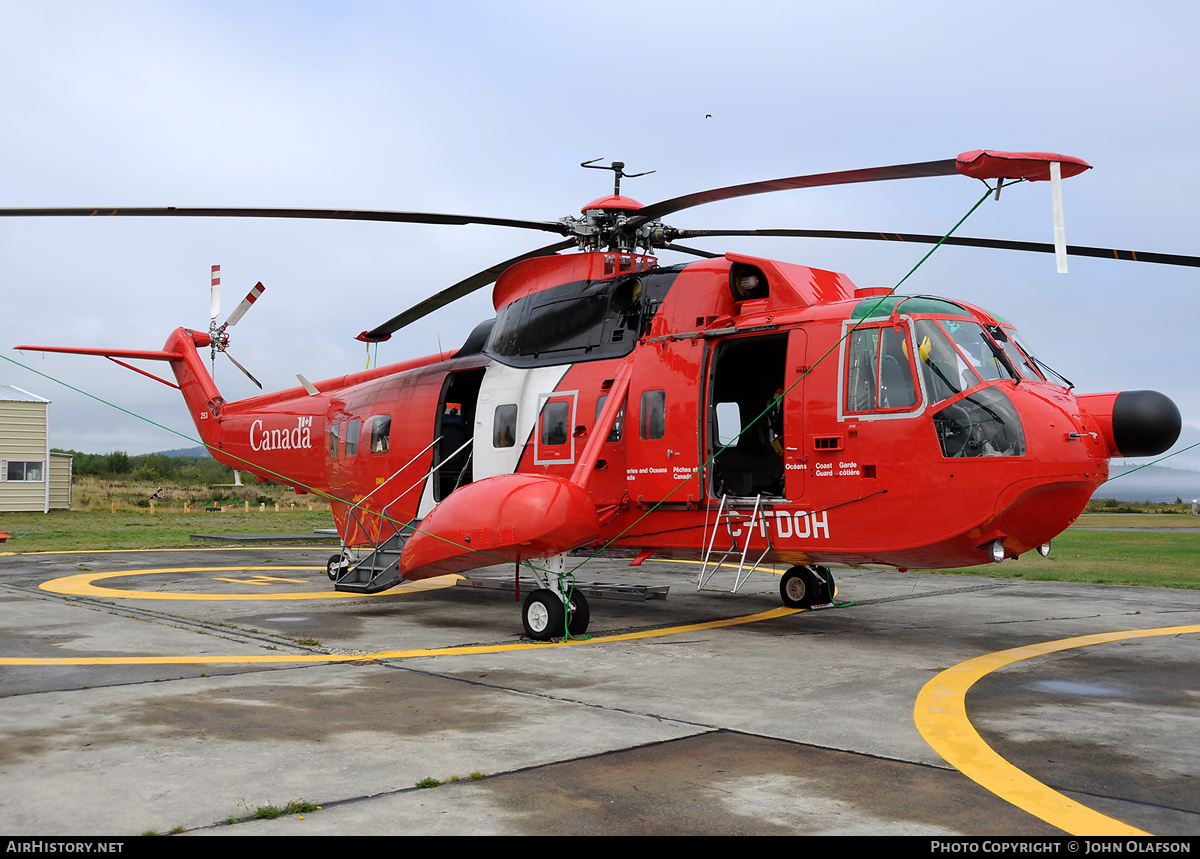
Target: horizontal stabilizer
x,y
133,354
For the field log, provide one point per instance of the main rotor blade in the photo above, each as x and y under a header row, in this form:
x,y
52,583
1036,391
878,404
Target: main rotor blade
x,y
945,167
693,251
964,241
455,292
318,214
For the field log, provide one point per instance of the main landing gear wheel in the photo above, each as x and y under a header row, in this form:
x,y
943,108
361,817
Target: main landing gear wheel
x,y
802,587
581,615
336,566
542,615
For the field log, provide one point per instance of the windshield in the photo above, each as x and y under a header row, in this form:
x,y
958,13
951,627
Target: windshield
x,y
956,354
1028,365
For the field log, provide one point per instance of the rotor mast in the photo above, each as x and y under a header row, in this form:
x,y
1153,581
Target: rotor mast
x,y
606,225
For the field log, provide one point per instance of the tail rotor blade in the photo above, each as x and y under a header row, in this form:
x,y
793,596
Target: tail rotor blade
x,y
237,364
214,295
240,310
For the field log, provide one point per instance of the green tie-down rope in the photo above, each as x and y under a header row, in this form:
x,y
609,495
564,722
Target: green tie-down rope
x,y
566,578
1152,462
779,398
283,478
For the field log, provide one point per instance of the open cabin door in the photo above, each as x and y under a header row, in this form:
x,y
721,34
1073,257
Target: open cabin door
x,y
755,442
453,456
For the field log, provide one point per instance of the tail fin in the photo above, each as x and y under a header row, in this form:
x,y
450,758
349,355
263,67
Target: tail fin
x,y
203,399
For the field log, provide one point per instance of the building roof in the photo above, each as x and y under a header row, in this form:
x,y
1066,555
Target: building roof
x,y
11,394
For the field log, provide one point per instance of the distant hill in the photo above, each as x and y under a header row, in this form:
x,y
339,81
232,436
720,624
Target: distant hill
x,y
184,451
1128,481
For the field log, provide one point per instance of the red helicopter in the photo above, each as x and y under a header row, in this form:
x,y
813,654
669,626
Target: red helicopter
x,y
733,406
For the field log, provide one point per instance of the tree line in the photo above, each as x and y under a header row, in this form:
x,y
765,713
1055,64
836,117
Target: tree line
x,y
147,467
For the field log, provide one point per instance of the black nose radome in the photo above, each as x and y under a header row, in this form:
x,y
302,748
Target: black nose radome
x,y
1145,423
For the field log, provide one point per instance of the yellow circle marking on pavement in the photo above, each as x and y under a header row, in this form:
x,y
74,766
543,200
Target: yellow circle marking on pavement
x,y
278,659
941,717
81,585
325,547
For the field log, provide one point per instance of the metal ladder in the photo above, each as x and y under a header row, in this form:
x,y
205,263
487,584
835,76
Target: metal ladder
x,y
379,570
742,575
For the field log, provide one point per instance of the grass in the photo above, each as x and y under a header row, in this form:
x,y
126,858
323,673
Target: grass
x,y
1137,557
1142,557
271,812
81,530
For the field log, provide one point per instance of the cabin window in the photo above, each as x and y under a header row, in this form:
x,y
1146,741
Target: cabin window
x,y
879,374
654,414
504,426
26,471
728,423
556,416
352,437
615,433
381,432
333,440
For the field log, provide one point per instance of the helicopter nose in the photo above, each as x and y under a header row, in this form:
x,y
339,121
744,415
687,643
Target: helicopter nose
x,y
1139,423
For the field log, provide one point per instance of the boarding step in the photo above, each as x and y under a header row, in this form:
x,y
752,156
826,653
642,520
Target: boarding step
x,y
592,590
379,570
749,524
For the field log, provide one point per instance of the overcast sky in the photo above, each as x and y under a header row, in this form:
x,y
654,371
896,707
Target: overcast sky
x,y
488,108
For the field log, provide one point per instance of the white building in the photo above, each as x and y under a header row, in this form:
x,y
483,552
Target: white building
x,y
31,477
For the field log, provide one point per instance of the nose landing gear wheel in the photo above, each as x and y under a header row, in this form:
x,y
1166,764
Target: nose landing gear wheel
x,y
801,587
542,615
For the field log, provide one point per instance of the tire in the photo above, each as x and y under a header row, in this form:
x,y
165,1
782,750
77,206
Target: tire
x,y
335,566
542,615
801,587
577,623
830,585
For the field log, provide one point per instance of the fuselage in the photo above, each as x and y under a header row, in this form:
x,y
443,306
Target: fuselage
x,y
829,425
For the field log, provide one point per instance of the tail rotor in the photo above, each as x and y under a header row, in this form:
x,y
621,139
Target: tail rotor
x,y
218,334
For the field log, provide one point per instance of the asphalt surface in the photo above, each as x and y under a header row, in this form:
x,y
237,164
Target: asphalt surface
x,y
705,713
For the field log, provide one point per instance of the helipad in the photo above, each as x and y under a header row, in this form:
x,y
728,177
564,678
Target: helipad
x,y
194,683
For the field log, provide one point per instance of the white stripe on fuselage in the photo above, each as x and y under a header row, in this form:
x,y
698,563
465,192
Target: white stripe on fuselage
x,y
504,385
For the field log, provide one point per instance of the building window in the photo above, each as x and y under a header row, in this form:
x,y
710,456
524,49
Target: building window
x,y
26,471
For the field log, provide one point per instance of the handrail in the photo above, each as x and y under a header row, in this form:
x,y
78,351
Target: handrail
x,y
354,509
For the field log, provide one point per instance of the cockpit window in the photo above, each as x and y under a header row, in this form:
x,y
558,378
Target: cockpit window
x,y
956,355
978,348
1007,338
878,372
984,423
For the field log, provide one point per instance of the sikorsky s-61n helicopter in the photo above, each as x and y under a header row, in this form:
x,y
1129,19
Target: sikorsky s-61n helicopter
x,y
729,406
